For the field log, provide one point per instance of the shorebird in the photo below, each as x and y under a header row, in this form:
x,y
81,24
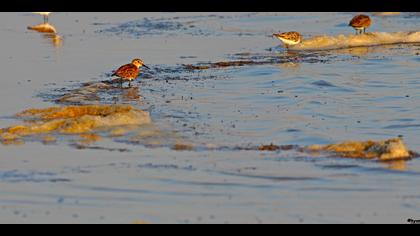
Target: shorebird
x,y
129,71
43,28
289,38
360,23
45,14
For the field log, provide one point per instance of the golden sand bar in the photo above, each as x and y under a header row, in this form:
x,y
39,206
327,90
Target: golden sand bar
x,y
74,120
392,149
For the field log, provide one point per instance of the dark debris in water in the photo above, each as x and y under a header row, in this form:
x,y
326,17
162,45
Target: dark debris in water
x,y
182,147
222,64
110,92
273,147
386,150
254,59
87,147
166,166
14,176
323,83
146,26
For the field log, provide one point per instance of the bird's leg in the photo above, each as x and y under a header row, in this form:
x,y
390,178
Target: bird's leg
x,y
129,83
45,19
364,30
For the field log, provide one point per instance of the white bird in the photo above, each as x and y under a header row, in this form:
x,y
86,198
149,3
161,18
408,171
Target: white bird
x,y
45,14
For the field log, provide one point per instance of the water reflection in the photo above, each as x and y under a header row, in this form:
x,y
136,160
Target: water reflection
x,y
291,60
127,95
364,50
49,32
131,94
396,165
6,142
54,39
356,51
289,65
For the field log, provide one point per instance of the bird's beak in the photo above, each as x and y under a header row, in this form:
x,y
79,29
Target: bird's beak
x,y
146,66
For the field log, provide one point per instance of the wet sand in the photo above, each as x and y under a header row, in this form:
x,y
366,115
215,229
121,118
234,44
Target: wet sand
x,y
251,93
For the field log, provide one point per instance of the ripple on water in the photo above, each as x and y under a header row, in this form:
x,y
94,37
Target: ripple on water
x,y
270,177
323,83
402,126
15,176
156,27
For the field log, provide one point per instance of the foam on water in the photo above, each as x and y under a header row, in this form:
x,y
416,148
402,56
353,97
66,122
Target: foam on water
x,y
347,41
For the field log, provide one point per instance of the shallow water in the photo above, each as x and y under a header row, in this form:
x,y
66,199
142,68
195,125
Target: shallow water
x,y
299,98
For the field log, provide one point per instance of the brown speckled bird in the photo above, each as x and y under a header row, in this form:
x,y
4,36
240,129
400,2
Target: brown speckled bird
x,y
289,38
129,71
360,23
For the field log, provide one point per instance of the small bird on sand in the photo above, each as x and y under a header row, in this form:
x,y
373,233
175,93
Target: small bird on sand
x,y
289,38
45,14
360,23
129,71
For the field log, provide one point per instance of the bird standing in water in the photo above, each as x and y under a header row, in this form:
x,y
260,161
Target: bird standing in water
x,y
130,71
360,23
289,38
45,14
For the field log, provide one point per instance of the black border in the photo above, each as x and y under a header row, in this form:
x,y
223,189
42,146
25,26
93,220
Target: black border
x,y
211,5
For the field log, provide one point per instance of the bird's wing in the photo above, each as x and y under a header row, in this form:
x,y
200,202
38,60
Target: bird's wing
x,y
359,21
365,21
124,70
127,70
